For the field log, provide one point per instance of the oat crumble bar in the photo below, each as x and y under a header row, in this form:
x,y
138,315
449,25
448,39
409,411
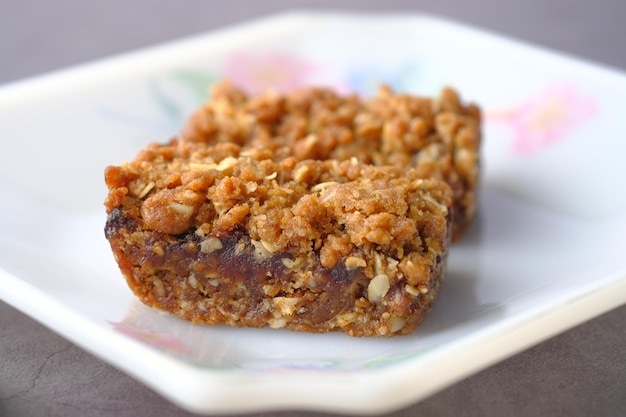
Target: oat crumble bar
x,y
309,211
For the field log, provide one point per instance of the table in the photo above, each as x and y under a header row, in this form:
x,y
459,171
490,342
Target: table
x,y
579,373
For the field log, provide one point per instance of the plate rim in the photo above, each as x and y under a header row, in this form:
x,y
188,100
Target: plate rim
x,y
205,391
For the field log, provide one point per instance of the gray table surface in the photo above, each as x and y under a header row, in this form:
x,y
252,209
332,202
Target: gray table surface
x,y
579,373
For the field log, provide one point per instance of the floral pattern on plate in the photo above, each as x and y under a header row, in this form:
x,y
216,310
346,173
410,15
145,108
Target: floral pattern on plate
x,y
546,118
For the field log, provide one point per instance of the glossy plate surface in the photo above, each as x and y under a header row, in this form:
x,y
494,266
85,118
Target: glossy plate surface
x,y
545,254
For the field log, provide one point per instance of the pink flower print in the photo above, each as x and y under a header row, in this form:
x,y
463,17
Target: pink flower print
x,y
547,118
275,71
158,340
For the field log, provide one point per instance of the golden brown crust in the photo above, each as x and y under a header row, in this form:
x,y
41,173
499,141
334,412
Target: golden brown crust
x,y
440,137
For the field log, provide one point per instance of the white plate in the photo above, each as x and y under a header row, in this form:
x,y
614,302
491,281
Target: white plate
x,y
545,254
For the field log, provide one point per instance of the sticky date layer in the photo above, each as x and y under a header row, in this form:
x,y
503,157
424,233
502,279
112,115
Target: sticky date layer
x,y
231,279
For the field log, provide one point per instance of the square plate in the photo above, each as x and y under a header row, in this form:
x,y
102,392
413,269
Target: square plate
x,y
544,254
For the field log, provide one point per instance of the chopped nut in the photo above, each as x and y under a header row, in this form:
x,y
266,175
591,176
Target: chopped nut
x,y
288,262
412,290
202,167
271,289
346,318
240,246
190,195
322,186
308,143
435,203
285,305
377,288
418,183
353,262
396,324
300,173
159,287
277,323
226,163
261,253
158,249
392,266
378,264
210,245
181,209
251,187
146,189
271,247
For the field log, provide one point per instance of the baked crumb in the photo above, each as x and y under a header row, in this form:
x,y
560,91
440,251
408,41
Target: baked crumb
x,y
438,137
